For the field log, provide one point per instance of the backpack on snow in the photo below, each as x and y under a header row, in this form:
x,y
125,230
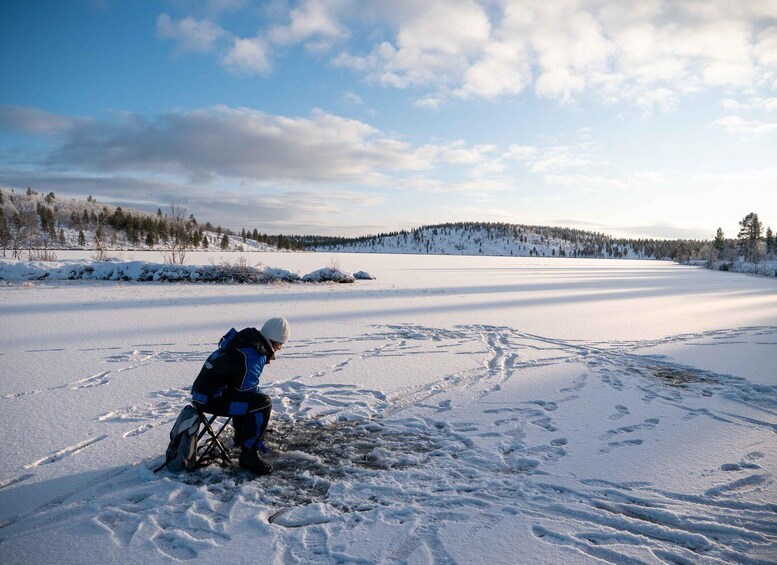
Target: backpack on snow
x,y
181,454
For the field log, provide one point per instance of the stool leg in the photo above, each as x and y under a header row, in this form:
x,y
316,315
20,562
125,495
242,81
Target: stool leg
x,y
214,443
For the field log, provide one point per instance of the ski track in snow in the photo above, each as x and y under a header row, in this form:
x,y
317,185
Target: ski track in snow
x,y
400,460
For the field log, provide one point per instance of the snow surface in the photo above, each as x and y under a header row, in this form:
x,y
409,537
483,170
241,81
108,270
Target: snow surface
x,y
456,409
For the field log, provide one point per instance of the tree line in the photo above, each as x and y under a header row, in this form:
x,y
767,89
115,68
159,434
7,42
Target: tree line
x,y
751,244
36,224
573,242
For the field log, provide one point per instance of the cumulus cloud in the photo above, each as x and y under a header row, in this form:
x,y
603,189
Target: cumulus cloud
x,y
503,69
248,56
650,54
189,34
314,22
751,104
740,126
434,44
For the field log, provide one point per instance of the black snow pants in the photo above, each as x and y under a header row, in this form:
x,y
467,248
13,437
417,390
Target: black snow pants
x,y
250,413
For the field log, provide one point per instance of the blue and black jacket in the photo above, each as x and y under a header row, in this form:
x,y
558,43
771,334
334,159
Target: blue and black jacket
x,y
236,365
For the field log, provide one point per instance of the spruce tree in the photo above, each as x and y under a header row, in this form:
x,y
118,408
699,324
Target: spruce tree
x,y
720,242
770,242
5,233
81,238
750,232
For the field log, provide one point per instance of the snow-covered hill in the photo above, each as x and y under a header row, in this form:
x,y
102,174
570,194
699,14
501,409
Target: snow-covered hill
x,y
35,226
495,240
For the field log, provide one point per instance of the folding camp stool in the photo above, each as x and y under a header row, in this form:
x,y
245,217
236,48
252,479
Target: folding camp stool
x,y
213,449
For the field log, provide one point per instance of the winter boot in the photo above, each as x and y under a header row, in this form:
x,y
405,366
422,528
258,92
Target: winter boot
x,y
250,461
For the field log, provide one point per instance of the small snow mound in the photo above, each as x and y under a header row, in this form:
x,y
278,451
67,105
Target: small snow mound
x,y
276,274
363,276
327,274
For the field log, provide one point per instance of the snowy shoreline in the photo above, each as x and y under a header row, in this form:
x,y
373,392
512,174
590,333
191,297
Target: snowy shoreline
x,y
143,271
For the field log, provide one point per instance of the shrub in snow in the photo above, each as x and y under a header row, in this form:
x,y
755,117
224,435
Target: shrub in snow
x,y
363,276
15,270
327,274
141,271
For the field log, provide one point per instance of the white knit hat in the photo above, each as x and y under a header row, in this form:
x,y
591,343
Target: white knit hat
x,y
277,330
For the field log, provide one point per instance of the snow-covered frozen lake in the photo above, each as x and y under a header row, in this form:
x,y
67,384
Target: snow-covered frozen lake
x,y
454,410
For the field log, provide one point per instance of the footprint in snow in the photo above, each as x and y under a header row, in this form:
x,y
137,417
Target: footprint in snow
x,y
616,444
545,422
580,383
648,424
549,406
620,412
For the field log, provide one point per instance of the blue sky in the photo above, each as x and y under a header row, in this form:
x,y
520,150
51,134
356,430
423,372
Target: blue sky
x,y
345,117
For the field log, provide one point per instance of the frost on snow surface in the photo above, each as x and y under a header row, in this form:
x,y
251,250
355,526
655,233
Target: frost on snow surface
x,y
520,411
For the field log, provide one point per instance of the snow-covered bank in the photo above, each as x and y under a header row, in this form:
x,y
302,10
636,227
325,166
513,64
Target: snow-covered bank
x,y
764,268
142,271
454,410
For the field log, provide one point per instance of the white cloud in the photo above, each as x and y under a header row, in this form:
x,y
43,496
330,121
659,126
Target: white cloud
x,y
457,153
449,27
753,104
435,42
504,69
248,56
429,102
740,126
649,54
766,46
190,35
731,104
315,20
546,160
352,98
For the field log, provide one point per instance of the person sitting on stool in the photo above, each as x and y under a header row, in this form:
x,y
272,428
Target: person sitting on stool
x,y
228,385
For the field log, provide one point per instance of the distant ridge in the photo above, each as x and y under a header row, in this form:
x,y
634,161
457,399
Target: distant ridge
x,y
503,239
